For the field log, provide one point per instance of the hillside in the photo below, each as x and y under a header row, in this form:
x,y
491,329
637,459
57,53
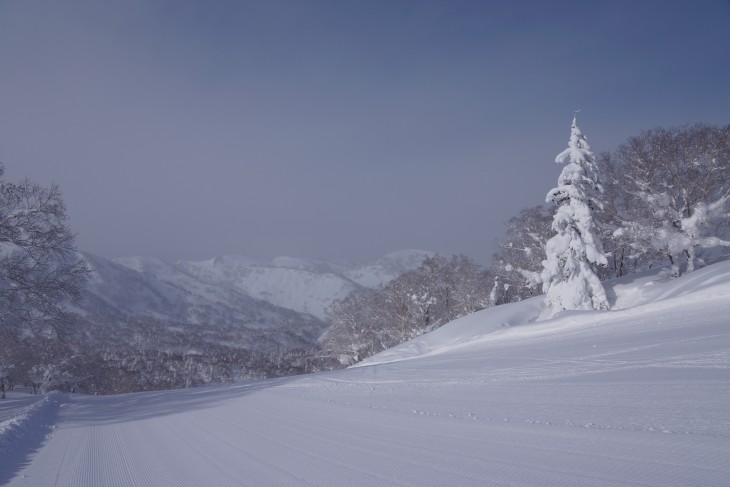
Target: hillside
x,y
632,397
232,290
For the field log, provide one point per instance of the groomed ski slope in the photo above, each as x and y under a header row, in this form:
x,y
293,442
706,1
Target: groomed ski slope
x,y
639,396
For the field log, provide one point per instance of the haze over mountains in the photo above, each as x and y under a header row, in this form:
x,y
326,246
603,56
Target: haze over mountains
x,y
232,290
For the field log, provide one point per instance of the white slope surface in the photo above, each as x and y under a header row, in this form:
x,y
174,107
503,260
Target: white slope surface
x,y
634,397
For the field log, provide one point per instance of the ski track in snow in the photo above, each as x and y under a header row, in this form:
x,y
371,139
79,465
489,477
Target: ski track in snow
x,y
637,397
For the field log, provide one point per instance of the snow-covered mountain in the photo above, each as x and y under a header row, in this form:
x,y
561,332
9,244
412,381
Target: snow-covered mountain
x,y
144,288
386,268
636,396
233,290
301,285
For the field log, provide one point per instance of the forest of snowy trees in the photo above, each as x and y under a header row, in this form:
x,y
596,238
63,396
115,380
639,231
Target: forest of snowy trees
x,y
661,198
439,291
664,198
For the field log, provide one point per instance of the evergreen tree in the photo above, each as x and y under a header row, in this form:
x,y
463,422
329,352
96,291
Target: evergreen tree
x,y
569,278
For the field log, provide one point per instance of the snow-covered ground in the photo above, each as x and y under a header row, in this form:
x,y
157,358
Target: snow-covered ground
x,y
638,396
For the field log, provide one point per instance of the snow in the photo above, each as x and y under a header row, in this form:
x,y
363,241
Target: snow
x,y
14,409
140,288
568,278
690,234
305,286
632,397
387,268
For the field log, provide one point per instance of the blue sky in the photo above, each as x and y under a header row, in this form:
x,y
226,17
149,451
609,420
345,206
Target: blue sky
x,y
338,129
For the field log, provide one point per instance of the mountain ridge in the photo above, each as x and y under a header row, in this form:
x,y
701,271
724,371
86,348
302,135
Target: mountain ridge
x,y
232,290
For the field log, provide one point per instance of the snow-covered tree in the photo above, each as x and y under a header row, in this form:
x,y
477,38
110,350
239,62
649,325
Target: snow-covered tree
x,y
569,278
622,218
676,183
39,265
45,377
5,369
518,256
455,287
355,330
368,322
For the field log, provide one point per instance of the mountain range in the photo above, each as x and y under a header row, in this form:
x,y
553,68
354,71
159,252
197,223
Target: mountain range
x,y
232,290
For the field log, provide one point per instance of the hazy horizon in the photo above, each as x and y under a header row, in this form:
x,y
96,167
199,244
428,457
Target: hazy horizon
x,y
339,130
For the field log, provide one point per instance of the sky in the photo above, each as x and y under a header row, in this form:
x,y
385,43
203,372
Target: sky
x,y
340,129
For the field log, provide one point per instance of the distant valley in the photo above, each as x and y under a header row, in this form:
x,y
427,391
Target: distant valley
x,y
286,294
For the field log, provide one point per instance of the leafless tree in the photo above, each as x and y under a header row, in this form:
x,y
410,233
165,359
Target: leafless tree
x,y
676,188
517,260
40,268
439,291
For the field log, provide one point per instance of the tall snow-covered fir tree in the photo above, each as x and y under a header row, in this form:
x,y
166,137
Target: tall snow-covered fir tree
x,y
569,279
